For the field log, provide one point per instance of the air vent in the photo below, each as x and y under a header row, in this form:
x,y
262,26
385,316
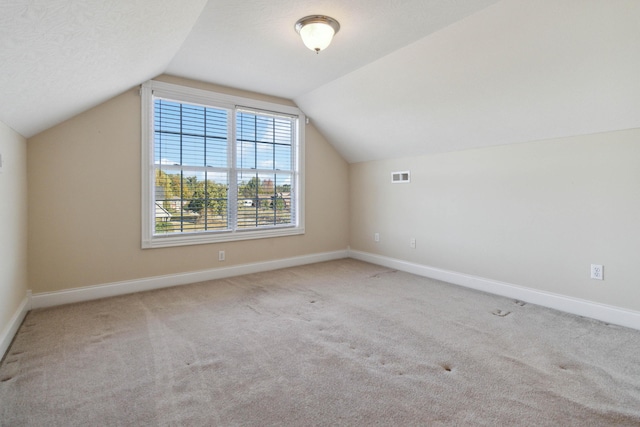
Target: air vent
x,y
400,177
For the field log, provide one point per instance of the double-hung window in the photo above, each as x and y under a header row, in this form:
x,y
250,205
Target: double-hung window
x,y
217,167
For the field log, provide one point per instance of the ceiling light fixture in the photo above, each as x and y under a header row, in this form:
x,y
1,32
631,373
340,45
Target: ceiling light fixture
x,y
317,31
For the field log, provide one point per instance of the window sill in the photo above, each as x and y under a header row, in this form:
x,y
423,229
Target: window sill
x,y
164,241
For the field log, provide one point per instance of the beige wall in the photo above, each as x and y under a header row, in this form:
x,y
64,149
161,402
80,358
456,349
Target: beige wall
x,y
535,214
13,224
84,196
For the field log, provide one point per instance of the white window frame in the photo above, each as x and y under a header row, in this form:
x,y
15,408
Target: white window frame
x,y
185,94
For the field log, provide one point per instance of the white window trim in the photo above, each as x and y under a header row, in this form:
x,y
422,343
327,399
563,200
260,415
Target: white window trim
x,y
204,97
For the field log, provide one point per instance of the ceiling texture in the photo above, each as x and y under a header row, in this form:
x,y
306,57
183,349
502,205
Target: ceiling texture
x,y
401,78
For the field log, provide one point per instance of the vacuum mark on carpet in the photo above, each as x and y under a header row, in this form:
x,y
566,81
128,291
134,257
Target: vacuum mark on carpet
x,y
378,275
99,337
500,313
567,366
253,309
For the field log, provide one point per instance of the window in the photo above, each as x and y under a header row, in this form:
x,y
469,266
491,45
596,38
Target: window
x,y
218,167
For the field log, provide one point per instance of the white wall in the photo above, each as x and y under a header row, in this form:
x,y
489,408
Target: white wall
x,y
534,214
13,231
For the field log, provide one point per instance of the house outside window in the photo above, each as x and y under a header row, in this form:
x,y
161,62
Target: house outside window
x,y
218,168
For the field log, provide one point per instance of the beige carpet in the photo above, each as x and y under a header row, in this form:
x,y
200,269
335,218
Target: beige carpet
x,y
337,343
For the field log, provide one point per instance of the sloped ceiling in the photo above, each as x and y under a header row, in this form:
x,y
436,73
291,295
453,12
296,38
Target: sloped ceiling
x,y
401,77
253,45
61,57
517,71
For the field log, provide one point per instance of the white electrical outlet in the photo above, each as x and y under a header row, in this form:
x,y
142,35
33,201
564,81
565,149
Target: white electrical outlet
x,y
221,256
597,272
376,237
412,242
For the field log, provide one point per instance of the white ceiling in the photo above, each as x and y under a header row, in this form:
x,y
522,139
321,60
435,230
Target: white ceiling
x,y
402,77
253,45
61,57
518,71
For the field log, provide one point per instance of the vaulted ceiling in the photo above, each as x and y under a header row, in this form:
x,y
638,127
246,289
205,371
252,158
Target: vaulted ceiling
x,y
401,78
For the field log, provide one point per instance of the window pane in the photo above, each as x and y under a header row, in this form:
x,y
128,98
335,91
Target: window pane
x,y
246,153
167,149
209,202
283,208
167,116
264,129
246,127
216,153
217,134
265,155
283,157
168,201
192,120
190,201
264,141
264,199
190,135
217,142
283,133
216,123
192,150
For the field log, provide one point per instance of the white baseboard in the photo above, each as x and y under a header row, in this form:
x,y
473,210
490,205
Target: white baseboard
x,y
16,320
49,299
605,313
580,307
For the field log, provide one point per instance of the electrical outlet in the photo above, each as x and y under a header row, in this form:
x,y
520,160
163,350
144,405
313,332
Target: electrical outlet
x,y
412,242
597,272
221,256
376,237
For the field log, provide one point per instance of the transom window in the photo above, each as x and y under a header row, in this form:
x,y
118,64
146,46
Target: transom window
x,y
218,168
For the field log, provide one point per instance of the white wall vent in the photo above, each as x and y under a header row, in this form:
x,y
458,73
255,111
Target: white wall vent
x,y
401,177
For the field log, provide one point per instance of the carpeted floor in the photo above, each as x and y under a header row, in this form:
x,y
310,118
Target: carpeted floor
x,y
336,343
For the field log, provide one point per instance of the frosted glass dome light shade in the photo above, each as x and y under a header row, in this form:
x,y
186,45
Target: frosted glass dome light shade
x,y
317,31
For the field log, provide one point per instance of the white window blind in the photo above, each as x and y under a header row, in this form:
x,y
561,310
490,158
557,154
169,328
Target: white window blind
x,y
218,172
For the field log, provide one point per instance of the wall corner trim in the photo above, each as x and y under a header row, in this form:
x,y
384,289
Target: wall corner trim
x,y
14,324
68,296
606,313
